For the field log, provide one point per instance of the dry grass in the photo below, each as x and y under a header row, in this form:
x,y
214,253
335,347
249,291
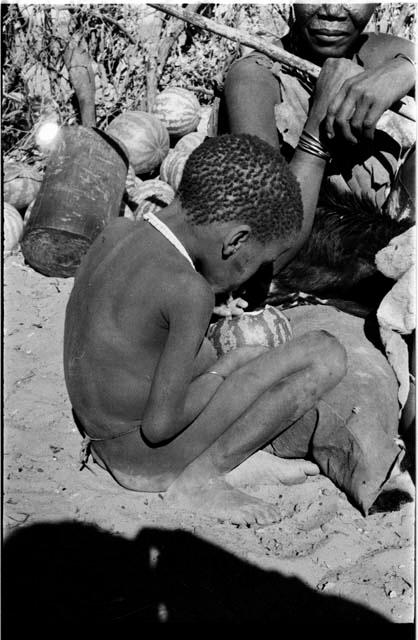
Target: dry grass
x,y
122,40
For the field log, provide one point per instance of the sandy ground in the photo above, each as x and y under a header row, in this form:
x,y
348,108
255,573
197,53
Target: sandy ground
x,y
78,547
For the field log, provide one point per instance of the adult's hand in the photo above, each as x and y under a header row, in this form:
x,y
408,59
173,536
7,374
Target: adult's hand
x,y
365,95
334,74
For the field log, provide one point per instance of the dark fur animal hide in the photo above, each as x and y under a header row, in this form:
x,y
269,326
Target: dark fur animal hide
x,y
338,260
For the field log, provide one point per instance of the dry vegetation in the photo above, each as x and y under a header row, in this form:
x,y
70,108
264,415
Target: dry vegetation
x,y
135,51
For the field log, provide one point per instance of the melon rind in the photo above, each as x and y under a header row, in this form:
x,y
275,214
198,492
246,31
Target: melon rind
x,y
172,167
153,195
145,138
267,327
21,184
189,142
12,228
178,109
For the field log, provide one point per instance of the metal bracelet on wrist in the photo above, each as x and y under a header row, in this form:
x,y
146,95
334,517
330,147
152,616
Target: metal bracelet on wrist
x,y
311,144
405,57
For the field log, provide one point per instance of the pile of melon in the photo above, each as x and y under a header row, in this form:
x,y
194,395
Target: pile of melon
x,y
21,184
158,144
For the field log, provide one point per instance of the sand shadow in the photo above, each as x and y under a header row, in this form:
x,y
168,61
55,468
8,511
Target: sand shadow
x,y
73,577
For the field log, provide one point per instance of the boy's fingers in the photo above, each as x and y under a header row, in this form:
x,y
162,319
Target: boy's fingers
x,y
223,311
235,310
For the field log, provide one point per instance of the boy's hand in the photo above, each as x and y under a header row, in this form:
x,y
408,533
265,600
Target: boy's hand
x,y
233,307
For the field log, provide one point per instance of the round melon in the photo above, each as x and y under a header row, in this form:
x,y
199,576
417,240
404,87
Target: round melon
x,y
28,212
205,115
189,143
132,184
21,184
178,109
268,327
126,212
144,136
147,206
171,169
12,227
153,195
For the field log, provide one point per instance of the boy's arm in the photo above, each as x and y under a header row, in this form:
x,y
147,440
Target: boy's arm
x,y
189,308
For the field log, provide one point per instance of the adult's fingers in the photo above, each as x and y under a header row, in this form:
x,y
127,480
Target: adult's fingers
x,y
343,117
359,115
371,120
332,112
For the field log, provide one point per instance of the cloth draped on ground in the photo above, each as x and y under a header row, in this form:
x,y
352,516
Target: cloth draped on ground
x,y
352,434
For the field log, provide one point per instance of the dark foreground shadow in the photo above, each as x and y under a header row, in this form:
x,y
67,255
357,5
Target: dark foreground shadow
x,y
72,578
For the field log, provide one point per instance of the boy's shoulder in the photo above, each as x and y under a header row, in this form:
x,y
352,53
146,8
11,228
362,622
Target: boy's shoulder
x,y
189,289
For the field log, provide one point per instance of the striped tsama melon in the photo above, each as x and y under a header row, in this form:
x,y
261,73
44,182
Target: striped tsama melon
x,y
144,136
171,169
12,227
153,195
126,212
188,143
204,120
132,184
178,109
268,327
21,184
28,212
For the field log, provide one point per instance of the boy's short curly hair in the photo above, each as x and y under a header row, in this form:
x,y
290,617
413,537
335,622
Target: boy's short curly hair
x,y
241,177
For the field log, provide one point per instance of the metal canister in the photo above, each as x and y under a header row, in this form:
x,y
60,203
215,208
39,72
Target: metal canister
x,y
81,192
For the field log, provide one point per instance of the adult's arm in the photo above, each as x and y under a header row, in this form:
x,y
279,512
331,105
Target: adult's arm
x,y
308,168
251,93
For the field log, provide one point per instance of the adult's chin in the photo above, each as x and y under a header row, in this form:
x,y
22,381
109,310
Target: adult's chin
x,y
329,47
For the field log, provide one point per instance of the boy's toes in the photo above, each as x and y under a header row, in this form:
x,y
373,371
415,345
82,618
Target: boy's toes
x,y
261,514
270,515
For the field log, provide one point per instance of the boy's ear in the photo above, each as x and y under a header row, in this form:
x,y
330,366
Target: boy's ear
x,y
234,240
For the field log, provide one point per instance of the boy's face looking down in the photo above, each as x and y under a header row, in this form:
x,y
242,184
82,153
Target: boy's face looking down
x,y
330,30
232,255
242,204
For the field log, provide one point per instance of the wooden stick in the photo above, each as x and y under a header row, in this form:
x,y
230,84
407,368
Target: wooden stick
x,y
272,51
104,17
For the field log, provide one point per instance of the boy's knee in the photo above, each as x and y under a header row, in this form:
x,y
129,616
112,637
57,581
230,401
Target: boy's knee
x,y
329,354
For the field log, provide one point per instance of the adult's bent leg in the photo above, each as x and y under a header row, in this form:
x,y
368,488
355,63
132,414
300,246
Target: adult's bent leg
x,y
251,93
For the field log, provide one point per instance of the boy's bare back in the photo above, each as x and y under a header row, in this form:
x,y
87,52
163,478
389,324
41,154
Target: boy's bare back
x,y
128,288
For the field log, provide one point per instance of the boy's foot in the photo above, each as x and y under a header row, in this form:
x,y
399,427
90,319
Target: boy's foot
x,y
265,468
217,499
